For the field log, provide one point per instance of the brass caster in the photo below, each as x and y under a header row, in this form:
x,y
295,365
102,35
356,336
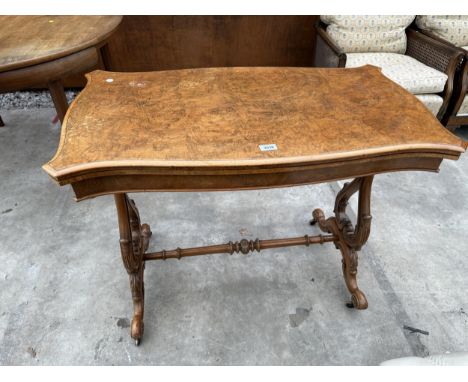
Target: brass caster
x,y
350,305
313,222
137,342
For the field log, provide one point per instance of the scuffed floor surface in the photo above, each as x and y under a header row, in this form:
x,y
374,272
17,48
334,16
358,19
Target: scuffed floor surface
x,y
31,99
65,299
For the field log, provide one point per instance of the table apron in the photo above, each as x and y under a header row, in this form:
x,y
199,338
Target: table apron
x,y
41,74
111,184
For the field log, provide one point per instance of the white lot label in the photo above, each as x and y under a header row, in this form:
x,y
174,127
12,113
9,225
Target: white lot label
x,y
269,147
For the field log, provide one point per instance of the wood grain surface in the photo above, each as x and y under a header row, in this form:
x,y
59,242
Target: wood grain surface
x,y
149,43
215,119
30,40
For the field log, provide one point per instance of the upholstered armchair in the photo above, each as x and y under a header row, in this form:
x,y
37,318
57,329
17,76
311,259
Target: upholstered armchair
x,y
451,30
420,64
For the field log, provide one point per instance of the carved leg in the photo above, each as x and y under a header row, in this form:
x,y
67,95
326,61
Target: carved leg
x,y
350,238
134,240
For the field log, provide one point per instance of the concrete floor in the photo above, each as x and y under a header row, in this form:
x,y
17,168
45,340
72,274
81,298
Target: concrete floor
x,y
65,300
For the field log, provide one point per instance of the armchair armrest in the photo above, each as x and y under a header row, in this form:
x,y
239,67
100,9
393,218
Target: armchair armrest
x,y
461,89
434,53
461,80
327,53
438,55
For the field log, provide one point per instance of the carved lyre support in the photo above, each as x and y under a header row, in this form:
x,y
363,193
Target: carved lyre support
x,y
350,238
134,240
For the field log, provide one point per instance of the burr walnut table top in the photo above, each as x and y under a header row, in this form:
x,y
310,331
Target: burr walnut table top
x,y
201,129
30,40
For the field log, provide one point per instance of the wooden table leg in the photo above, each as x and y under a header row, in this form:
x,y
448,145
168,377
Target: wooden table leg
x,y
105,57
58,96
134,240
350,238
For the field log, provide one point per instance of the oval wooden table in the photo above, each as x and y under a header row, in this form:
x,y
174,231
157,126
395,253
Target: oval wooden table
x,y
244,128
39,50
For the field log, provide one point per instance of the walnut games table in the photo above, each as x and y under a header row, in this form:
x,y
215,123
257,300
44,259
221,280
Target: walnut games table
x,y
238,129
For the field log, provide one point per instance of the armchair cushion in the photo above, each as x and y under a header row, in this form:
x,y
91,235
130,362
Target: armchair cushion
x,y
464,107
451,28
357,34
432,101
406,71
